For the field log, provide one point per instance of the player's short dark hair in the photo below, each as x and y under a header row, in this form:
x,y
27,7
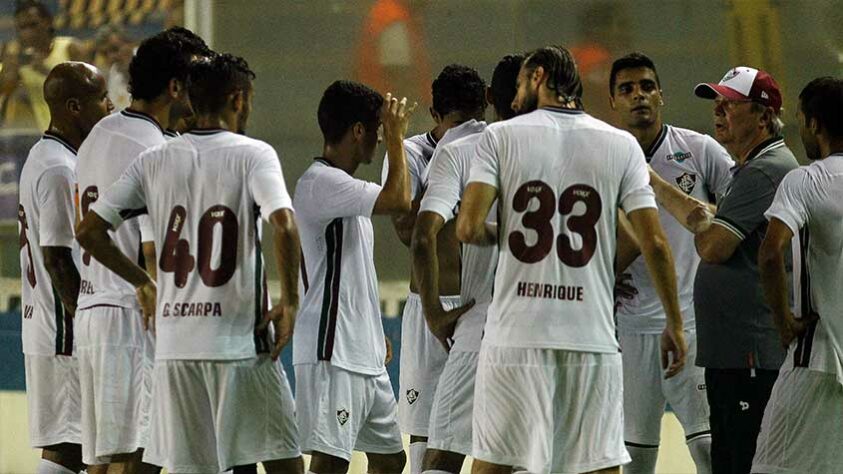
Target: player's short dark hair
x,y
822,100
163,57
504,80
26,5
459,88
563,77
212,80
631,61
345,103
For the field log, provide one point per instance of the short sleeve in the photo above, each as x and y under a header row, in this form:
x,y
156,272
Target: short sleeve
x,y
125,198
635,191
485,165
742,209
55,191
266,184
791,204
444,186
335,193
718,167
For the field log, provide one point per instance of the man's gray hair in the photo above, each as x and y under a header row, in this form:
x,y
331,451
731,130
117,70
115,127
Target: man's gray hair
x,y
775,126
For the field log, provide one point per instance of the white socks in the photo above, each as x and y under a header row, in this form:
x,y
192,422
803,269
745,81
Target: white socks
x,y
701,453
643,460
417,450
49,467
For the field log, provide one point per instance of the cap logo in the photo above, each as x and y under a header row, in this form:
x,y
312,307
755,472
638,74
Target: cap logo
x,y
764,95
730,75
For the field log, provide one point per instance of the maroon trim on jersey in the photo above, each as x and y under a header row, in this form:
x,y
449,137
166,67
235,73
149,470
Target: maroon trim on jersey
x,y
56,137
304,273
330,293
100,306
805,343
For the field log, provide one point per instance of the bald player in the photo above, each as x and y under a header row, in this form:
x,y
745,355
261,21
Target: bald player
x,y
77,96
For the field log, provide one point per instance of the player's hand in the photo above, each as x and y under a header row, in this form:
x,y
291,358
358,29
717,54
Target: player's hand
x,y
395,116
673,349
147,297
388,358
443,323
792,328
283,319
699,219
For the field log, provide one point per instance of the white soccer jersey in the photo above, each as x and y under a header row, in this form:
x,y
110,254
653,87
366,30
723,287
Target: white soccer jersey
x,y
810,202
418,150
205,193
561,176
699,166
445,179
109,149
45,219
339,320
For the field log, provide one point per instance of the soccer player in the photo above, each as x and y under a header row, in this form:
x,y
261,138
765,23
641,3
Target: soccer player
x,y
115,353
205,193
691,164
548,393
345,399
458,95
800,431
77,96
446,177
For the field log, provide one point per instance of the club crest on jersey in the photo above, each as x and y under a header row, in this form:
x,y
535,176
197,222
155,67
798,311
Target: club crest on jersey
x,y
686,182
679,156
343,416
412,396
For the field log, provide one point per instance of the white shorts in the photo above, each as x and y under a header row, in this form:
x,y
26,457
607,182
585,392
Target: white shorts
x,y
450,420
115,376
209,416
548,410
422,361
341,411
801,430
52,396
645,391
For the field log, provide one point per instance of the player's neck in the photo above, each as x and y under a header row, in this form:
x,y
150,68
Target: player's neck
x,y
339,158
67,132
830,147
210,122
646,135
158,108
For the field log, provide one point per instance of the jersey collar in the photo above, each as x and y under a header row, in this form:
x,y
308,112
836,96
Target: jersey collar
x,y
657,143
53,136
562,110
206,131
142,116
430,139
760,149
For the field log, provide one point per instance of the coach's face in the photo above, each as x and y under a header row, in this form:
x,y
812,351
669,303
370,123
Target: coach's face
x,y
637,97
527,90
735,122
808,133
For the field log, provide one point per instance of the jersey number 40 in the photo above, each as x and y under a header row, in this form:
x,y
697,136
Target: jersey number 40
x,y
175,253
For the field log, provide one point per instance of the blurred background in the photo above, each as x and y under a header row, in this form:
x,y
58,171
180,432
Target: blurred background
x,y
298,47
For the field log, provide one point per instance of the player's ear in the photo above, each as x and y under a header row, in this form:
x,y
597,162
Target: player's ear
x,y
537,75
174,88
73,106
436,117
358,131
238,100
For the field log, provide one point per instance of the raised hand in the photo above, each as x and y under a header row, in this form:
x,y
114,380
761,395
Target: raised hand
x,y
395,116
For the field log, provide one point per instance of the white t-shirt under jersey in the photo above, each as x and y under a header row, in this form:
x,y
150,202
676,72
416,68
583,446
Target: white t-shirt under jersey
x,y
339,320
110,148
446,178
418,150
810,202
699,166
561,175
205,193
45,219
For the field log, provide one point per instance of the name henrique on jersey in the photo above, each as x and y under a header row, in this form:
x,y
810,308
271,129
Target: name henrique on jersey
x,y
561,175
810,202
45,219
418,151
700,167
446,179
339,320
110,148
205,193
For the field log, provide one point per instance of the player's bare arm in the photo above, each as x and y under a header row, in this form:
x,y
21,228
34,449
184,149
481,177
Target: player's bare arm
x,y
471,222
64,275
92,235
288,260
628,248
394,197
148,249
404,223
426,271
659,260
691,213
771,265
716,244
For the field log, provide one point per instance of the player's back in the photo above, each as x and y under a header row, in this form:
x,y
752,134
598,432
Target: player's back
x,y
561,176
108,150
200,191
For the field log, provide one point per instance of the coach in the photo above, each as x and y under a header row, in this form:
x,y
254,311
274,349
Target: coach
x,y
737,343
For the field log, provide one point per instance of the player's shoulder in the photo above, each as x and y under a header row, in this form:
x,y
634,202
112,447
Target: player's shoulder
x,y
131,128
693,138
51,151
416,146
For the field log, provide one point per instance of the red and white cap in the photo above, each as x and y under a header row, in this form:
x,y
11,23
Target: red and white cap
x,y
744,83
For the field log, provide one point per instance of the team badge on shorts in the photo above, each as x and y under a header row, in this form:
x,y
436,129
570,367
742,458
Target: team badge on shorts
x,y
412,396
686,182
342,416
